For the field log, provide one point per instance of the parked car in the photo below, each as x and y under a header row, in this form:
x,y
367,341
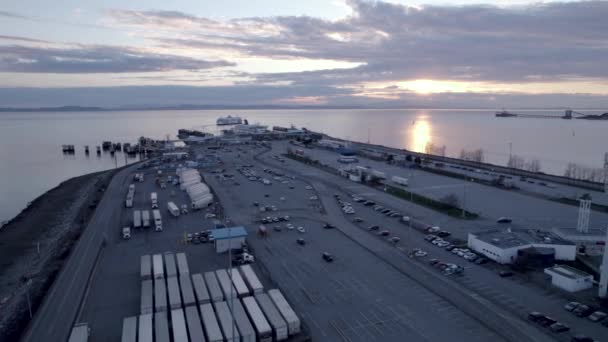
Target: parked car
x,y
301,229
385,233
277,228
481,260
327,257
329,226
374,227
535,316
357,219
582,338
505,274
395,239
504,220
443,234
583,311
301,241
559,327
597,316
571,306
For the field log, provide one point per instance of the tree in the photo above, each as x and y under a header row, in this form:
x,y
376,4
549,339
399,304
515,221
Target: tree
x,y
408,158
533,165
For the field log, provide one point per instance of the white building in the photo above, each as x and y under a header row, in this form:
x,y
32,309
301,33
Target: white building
x,y
502,245
569,279
228,238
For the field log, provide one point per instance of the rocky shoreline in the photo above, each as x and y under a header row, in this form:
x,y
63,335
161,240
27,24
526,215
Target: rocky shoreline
x,y
35,243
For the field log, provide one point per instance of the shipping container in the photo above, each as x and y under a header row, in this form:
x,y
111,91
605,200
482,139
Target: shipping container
x,y
260,324
145,217
212,328
136,219
160,295
225,284
157,264
195,329
242,322
227,323
161,327
173,209
170,265
147,297
145,333
200,289
175,300
278,324
145,269
254,284
182,264
129,329
187,293
215,292
178,323
292,320
239,283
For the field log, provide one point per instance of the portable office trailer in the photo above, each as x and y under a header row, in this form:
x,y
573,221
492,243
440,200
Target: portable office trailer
x,y
227,323
175,300
178,323
242,321
157,265
239,283
252,280
145,270
278,324
182,264
170,264
160,295
227,288
292,320
161,327
147,297
187,293
173,209
200,289
261,325
195,330
129,329
145,331
215,292
214,333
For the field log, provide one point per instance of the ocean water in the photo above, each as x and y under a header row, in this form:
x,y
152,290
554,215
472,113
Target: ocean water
x,y
31,160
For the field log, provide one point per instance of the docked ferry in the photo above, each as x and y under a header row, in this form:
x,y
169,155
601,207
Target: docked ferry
x,y
229,120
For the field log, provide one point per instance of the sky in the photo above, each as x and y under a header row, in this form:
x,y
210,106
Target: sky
x,y
393,53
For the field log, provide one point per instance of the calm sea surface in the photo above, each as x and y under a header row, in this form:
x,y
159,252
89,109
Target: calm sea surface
x,y
31,161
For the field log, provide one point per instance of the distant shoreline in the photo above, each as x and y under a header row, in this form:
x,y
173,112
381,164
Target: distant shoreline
x,y
245,107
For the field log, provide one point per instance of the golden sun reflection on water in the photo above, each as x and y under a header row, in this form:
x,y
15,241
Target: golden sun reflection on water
x,y
420,135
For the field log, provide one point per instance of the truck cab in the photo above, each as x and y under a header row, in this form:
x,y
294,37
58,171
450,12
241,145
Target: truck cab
x,y
126,233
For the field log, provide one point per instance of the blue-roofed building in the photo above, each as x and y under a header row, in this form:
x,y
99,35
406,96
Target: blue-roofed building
x,y
228,238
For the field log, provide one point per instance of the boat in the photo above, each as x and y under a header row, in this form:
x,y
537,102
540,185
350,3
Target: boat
x,y
594,117
504,114
186,133
229,120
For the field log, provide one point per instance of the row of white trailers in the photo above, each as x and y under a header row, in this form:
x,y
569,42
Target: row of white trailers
x,y
264,315
190,180
141,218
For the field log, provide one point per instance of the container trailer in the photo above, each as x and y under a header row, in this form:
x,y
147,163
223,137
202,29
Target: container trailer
x,y
178,323
187,293
200,289
252,280
147,297
260,324
292,320
212,328
175,300
278,324
215,292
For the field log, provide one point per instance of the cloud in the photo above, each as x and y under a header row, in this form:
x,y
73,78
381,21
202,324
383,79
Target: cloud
x,y
12,15
23,39
94,59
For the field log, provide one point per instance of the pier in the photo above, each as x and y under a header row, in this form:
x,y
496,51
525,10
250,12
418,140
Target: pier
x,y
568,115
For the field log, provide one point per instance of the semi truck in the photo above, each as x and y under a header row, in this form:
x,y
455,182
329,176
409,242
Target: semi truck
x,y
160,295
158,222
193,320
146,330
126,233
182,264
252,280
214,333
260,324
399,180
292,320
129,329
239,283
157,266
161,327
185,283
242,322
200,289
178,323
129,200
278,324
231,332
154,200
173,209
145,218
225,284
136,219
147,297
175,299
215,292
170,264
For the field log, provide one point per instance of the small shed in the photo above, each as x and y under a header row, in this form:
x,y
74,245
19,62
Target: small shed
x,y
228,238
569,279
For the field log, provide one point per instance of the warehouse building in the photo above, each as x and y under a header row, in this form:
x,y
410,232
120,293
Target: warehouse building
x,y
569,279
504,246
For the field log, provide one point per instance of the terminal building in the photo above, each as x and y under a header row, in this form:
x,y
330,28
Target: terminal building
x,y
512,245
